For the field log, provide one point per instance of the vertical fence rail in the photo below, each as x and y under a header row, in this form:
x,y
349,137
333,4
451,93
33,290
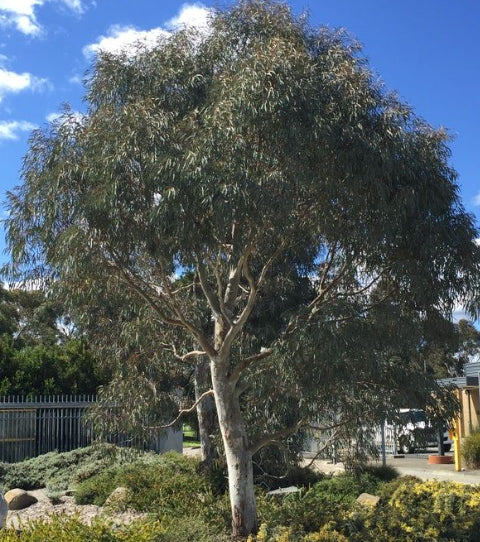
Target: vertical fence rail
x,y
34,426
390,443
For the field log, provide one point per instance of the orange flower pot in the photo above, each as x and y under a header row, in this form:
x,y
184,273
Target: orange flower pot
x,y
440,459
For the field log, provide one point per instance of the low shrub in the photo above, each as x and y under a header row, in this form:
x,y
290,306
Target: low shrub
x,y
64,529
54,493
383,473
58,469
471,450
310,510
428,511
386,490
168,486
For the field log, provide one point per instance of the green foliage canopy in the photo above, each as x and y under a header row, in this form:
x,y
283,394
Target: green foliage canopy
x,y
254,157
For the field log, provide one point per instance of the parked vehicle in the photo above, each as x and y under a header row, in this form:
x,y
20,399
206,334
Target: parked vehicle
x,y
416,433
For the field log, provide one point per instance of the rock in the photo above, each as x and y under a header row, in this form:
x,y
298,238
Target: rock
x,y
3,511
18,499
284,490
368,500
118,497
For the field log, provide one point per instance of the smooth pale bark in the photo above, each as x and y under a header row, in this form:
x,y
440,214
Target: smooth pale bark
x,y
237,452
207,424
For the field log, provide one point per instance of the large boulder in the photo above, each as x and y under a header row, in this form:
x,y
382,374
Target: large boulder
x,y
118,498
18,499
368,500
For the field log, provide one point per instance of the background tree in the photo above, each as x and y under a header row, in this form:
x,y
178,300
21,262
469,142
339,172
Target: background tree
x,y
260,153
40,351
448,346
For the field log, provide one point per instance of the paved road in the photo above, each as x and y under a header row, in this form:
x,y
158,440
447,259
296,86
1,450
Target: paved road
x,y
416,465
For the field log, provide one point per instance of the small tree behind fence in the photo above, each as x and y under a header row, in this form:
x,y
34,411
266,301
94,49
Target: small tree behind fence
x,y
34,426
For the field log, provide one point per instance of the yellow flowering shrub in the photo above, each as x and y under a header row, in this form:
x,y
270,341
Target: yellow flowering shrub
x,y
432,510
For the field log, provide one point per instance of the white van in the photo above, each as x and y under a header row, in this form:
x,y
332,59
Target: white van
x,y
414,433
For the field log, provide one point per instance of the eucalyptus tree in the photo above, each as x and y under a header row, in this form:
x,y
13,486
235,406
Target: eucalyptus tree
x,y
259,153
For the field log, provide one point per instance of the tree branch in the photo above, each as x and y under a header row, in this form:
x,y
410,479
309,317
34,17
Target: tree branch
x,y
131,280
181,316
194,353
212,301
238,324
233,283
184,411
326,289
223,309
139,285
324,445
246,362
254,448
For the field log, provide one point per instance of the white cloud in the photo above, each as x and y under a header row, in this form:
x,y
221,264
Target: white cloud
x,y
51,117
459,313
21,13
12,129
476,199
66,118
12,82
190,15
121,39
75,80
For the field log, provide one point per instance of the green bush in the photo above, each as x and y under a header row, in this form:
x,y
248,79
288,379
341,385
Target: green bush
x,y
310,510
302,477
471,450
168,486
382,473
386,490
65,529
428,511
60,469
409,510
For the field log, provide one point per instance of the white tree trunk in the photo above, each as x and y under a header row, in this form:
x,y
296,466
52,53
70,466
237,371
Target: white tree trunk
x,y
207,424
238,455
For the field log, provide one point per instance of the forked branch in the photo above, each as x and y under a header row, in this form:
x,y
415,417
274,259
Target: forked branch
x,y
184,411
254,448
246,362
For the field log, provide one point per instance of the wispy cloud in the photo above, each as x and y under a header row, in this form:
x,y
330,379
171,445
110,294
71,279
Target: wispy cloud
x,y
75,80
51,117
120,39
22,13
66,117
12,129
459,313
190,15
12,82
476,199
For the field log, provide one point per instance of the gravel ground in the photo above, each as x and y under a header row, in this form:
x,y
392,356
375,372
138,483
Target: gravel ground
x,y
44,508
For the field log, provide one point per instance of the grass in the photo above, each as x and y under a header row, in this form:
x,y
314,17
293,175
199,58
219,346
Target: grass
x,y
190,437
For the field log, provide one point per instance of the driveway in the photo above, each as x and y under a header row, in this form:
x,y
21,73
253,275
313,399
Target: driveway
x,y
411,464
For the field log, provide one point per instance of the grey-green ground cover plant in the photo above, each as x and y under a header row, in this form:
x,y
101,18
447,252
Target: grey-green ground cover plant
x,y
62,470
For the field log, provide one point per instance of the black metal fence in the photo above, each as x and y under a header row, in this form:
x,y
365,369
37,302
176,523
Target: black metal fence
x,y
34,426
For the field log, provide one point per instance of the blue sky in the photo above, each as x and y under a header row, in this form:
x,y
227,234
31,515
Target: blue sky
x,y
426,50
